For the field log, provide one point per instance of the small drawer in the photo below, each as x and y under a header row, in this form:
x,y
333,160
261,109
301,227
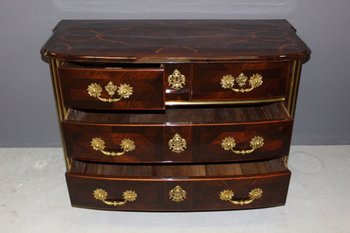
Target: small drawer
x,y
241,81
179,135
112,88
178,187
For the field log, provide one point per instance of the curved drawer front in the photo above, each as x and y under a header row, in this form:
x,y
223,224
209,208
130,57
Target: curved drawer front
x,y
148,189
126,144
240,81
112,89
242,142
178,135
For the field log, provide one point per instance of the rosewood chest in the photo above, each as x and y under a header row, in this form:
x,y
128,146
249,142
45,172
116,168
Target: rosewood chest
x,y
176,115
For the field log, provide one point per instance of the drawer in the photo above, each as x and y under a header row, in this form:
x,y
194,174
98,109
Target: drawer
x,y
178,187
180,135
112,88
241,81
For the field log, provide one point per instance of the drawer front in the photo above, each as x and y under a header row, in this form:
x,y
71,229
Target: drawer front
x,y
175,144
242,142
178,194
128,144
240,81
107,88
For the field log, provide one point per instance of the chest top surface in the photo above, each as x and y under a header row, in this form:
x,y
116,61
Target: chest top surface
x,y
174,41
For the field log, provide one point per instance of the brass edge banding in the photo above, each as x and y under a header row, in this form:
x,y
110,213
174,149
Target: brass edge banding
x,y
58,84
55,89
285,160
291,86
194,102
61,111
295,89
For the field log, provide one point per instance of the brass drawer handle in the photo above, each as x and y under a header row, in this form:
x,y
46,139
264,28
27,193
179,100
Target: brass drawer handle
x,y
176,80
228,81
177,144
126,145
229,143
177,194
254,194
123,90
102,195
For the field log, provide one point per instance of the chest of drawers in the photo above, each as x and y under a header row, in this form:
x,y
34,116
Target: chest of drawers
x,y
176,115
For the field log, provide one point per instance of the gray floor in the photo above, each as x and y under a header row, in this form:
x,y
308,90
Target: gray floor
x,y
34,199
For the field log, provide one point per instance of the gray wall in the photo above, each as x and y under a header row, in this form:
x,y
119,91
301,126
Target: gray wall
x,y
28,116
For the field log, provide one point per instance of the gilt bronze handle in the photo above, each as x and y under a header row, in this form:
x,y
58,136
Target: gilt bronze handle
x,y
254,194
228,82
102,195
124,91
126,145
229,143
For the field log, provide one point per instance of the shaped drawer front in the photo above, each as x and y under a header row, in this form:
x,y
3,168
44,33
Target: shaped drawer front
x,y
242,142
240,81
112,89
179,135
128,144
178,188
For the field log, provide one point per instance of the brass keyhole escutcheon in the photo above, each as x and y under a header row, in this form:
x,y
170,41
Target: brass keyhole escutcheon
x,y
176,80
177,194
177,144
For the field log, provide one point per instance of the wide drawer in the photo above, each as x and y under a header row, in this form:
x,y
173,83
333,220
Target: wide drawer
x,y
180,135
241,81
112,88
179,187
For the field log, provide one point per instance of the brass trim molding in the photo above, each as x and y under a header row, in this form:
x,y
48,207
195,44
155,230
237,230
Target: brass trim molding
x,y
61,110
221,102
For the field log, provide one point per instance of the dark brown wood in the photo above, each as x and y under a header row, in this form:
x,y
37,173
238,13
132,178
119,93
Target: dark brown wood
x,y
204,115
147,85
203,130
168,41
176,171
202,183
142,54
206,80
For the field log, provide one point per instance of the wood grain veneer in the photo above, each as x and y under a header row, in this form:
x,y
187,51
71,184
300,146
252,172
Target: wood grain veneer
x,y
207,111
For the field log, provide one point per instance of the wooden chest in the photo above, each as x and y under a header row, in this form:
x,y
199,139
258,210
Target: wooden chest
x,y
176,115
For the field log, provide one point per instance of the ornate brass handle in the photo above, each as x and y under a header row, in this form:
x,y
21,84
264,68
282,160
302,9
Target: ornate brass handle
x,y
124,91
229,143
102,195
254,194
126,145
176,80
228,81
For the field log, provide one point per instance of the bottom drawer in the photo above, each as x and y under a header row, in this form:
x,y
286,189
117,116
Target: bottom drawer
x,y
178,187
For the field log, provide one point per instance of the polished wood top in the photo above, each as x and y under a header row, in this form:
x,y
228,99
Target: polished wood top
x,y
166,41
